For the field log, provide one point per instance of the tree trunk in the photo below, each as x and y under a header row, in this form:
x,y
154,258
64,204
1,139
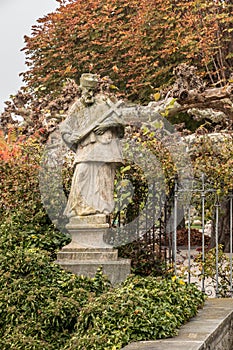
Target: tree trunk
x,y
223,226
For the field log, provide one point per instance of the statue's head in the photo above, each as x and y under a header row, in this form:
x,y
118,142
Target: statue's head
x,y
88,84
89,81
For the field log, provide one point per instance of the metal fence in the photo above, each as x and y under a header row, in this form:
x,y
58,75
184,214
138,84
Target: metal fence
x,y
193,233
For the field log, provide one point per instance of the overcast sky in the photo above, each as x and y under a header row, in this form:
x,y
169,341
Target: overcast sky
x,y
16,20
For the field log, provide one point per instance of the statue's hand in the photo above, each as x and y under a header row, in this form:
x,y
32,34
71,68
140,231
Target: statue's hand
x,y
100,130
74,138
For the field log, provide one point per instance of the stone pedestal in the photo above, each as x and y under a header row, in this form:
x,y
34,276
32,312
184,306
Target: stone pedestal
x,y
88,251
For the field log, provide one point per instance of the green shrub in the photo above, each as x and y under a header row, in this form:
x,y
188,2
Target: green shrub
x,y
142,309
45,307
39,302
23,218
37,234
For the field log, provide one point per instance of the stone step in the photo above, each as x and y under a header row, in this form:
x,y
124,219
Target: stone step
x,y
88,254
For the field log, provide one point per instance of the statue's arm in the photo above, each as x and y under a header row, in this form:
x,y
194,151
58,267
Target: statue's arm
x,y
136,113
70,137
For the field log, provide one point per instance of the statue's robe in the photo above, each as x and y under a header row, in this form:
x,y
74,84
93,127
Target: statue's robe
x,y
97,154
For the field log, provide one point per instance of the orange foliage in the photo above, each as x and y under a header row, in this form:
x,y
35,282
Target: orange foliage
x,y
19,166
137,43
8,148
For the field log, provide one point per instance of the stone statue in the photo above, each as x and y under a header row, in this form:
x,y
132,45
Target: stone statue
x,y
92,129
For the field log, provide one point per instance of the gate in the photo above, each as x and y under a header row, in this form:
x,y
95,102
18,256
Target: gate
x,y
215,267
187,235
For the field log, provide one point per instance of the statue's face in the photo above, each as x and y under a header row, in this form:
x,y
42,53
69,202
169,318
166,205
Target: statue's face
x,y
88,96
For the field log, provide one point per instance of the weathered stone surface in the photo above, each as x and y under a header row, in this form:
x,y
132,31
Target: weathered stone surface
x,y
116,270
88,231
88,250
88,221
164,345
92,130
88,254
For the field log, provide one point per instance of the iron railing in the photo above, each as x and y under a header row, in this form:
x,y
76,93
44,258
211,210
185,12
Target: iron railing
x,y
178,235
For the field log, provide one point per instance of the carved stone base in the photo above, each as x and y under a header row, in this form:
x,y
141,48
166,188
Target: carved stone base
x,y
87,254
116,270
88,250
88,231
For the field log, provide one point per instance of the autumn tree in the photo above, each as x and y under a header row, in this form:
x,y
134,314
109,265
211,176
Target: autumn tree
x,y
139,45
136,43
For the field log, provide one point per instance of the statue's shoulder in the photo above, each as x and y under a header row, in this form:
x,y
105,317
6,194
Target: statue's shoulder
x,y
75,108
72,118
100,106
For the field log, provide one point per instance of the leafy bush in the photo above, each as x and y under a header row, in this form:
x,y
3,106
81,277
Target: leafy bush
x,y
42,306
14,233
19,166
23,219
39,301
142,309
45,307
